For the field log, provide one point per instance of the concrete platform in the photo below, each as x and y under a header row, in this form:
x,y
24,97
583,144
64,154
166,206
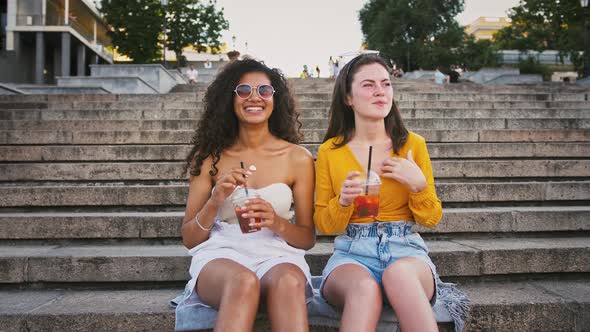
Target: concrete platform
x,y
163,152
167,263
152,170
525,306
172,193
108,224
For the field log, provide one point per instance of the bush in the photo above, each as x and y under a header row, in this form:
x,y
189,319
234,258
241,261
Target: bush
x,y
532,66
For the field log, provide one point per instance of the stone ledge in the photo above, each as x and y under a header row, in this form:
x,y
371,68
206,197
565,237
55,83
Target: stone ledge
x,y
507,306
153,263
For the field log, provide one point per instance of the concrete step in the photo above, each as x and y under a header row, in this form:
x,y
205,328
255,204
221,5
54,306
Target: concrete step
x,y
157,263
443,169
474,96
53,137
482,135
495,104
32,153
176,114
463,124
541,305
304,103
170,193
157,225
318,123
309,94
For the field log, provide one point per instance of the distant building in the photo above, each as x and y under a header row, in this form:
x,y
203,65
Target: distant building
x,y
485,27
42,39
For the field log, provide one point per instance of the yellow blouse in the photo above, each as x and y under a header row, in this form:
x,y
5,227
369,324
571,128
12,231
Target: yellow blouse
x,y
396,202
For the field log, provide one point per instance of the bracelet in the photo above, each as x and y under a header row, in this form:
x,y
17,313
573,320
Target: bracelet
x,y
201,226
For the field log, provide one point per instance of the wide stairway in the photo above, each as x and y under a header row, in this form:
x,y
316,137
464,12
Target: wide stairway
x,y
92,198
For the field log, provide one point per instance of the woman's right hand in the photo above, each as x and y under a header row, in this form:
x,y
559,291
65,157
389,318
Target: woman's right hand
x,y
227,182
351,188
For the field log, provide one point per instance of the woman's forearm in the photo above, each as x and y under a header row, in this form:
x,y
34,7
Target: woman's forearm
x,y
192,233
298,236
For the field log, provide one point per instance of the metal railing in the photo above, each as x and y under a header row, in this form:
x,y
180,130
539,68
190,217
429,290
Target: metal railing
x,y
546,57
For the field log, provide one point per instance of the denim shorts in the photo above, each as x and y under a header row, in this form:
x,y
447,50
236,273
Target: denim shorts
x,y
377,245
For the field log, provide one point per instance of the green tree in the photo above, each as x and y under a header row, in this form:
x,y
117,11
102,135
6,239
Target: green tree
x,y
137,27
545,25
479,53
193,23
421,32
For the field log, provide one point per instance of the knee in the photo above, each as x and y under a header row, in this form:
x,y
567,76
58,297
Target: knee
x,y
290,280
399,271
244,284
401,276
365,287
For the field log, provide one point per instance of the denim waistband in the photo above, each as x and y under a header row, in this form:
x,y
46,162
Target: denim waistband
x,y
376,229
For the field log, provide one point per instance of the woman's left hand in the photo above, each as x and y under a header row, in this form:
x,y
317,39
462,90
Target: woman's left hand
x,y
262,210
405,171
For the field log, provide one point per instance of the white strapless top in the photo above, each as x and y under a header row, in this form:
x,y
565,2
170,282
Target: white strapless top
x,y
279,195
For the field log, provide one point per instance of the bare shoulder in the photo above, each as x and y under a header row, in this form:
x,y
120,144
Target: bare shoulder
x,y
205,168
299,155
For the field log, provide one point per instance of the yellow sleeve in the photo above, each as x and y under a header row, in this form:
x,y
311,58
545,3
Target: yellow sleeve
x,y
425,205
329,216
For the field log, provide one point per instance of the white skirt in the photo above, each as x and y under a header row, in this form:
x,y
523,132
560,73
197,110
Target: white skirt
x,y
258,252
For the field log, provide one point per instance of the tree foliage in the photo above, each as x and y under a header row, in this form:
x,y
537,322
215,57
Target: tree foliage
x,y
193,23
545,25
425,31
477,54
137,27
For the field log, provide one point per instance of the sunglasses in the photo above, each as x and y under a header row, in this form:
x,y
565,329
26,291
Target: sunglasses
x,y
244,91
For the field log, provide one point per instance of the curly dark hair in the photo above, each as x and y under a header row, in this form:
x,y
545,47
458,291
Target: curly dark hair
x,y
218,127
341,121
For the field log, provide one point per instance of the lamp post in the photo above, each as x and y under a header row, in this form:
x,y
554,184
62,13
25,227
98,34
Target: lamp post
x,y
164,4
586,72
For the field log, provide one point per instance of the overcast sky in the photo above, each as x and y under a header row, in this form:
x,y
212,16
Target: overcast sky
x,y
290,33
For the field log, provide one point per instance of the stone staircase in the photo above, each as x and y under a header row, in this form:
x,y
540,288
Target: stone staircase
x,y
92,198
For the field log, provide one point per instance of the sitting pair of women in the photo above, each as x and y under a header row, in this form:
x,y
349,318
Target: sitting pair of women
x,y
248,137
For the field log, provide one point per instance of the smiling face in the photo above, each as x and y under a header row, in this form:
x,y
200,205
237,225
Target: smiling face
x,y
371,93
253,109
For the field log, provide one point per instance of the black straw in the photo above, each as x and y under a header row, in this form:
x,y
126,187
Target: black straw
x,y
368,170
244,175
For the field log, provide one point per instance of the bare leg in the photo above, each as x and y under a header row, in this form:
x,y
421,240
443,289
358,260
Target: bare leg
x,y
234,290
409,285
284,287
353,287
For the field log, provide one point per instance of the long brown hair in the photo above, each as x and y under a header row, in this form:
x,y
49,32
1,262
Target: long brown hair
x,y
341,121
218,128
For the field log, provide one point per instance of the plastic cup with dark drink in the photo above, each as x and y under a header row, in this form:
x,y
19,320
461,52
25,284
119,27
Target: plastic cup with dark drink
x,y
239,197
367,203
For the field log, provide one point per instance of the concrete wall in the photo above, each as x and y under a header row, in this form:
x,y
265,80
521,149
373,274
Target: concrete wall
x,y
155,75
112,84
517,79
18,69
489,74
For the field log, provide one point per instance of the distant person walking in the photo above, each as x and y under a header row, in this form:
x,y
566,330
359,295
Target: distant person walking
x,y
317,70
336,67
333,67
305,72
192,74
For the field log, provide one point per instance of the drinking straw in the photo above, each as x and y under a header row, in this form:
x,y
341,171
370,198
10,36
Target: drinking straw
x,y
244,175
368,170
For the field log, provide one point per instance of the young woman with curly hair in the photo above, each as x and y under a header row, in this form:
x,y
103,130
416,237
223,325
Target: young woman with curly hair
x,y
250,119
379,258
